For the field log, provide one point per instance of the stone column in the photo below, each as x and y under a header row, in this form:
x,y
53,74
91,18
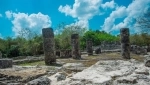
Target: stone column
x,y
89,48
75,46
49,45
125,43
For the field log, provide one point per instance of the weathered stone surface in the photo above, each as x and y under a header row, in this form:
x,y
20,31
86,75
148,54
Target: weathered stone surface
x,y
127,80
6,63
107,72
14,84
110,45
61,76
40,81
58,77
98,51
75,46
49,45
65,54
103,71
147,61
30,59
142,71
125,43
148,48
138,50
89,48
57,53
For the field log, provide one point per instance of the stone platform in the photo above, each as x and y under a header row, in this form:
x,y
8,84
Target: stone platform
x,y
6,63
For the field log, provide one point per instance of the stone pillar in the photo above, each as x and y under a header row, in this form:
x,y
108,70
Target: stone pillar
x,y
75,46
89,48
49,45
125,43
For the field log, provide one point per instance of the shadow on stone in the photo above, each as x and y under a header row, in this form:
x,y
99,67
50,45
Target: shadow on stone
x,y
55,64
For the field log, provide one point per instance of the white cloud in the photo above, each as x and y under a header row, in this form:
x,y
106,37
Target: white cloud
x,y
110,5
134,10
120,12
9,14
1,15
82,9
34,22
80,23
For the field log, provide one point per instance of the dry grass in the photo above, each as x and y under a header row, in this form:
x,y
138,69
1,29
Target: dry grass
x,y
90,60
137,57
39,63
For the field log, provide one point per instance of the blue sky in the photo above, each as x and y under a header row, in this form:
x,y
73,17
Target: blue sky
x,y
107,15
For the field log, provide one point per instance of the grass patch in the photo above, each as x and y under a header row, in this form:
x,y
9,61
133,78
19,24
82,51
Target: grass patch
x,y
39,63
137,57
88,60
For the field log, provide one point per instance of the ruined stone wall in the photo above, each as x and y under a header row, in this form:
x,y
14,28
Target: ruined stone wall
x,y
110,45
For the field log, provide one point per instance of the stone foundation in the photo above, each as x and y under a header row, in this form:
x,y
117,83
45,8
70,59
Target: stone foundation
x,y
6,63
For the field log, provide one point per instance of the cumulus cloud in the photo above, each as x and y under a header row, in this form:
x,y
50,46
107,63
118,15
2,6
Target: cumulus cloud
x,y
8,14
83,10
81,23
134,10
34,22
120,12
110,5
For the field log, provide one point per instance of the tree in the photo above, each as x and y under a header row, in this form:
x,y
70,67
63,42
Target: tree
x,y
26,33
63,38
140,39
97,37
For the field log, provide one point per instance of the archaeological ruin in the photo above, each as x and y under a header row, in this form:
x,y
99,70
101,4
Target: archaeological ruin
x,y
89,48
125,43
49,45
75,46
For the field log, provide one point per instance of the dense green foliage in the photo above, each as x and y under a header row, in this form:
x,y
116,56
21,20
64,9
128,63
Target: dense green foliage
x,y
142,39
21,47
97,37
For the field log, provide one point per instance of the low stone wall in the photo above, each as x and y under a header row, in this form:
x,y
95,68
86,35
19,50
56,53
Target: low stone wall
x,y
28,60
6,63
63,53
138,50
